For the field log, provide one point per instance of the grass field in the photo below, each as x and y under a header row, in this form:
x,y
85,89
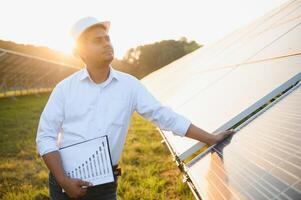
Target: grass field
x,y
148,171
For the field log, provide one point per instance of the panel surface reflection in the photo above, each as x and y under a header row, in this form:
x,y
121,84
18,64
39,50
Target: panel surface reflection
x,y
261,161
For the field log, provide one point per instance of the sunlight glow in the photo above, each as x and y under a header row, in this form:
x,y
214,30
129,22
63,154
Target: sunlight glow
x,y
133,22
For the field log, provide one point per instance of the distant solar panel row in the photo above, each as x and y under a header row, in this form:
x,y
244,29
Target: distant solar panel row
x,y
23,72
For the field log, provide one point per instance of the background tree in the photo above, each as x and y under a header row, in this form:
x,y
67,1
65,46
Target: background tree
x,y
147,58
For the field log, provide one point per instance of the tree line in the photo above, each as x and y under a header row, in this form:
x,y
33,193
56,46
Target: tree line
x,y
138,61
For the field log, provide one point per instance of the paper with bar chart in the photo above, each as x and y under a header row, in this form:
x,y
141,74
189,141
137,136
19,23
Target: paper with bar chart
x,y
89,160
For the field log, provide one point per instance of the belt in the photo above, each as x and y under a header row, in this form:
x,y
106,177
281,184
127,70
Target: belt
x,y
116,170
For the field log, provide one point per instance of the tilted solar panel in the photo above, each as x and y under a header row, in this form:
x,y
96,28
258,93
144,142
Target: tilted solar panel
x,y
261,161
218,86
220,104
201,59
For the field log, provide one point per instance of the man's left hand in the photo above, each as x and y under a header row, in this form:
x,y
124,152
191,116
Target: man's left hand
x,y
216,138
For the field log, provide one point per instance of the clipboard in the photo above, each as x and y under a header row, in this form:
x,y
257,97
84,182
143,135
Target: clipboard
x,y
89,160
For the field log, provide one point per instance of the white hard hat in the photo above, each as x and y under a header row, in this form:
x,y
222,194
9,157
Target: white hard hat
x,y
83,24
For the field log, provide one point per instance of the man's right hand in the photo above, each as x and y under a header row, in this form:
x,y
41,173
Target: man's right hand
x,y
73,187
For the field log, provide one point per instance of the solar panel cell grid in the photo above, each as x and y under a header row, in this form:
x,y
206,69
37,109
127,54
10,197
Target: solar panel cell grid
x,y
262,161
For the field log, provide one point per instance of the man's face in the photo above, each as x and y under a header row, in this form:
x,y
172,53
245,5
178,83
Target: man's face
x,y
96,46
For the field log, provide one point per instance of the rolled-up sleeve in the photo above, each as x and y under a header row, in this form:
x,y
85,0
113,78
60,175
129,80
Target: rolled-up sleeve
x,y
50,122
163,116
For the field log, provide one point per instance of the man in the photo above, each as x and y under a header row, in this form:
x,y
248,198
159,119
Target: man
x,y
95,101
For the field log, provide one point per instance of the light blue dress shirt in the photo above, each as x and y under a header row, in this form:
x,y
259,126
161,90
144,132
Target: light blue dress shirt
x,y
78,109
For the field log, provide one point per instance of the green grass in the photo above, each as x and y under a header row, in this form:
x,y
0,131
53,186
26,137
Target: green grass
x,y
148,171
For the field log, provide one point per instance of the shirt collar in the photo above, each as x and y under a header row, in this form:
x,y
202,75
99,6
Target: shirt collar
x,y
85,74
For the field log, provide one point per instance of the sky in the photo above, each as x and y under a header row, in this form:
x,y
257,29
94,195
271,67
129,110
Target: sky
x,y
133,22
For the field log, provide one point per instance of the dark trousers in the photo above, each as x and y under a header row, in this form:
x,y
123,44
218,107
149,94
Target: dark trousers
x,y
100,192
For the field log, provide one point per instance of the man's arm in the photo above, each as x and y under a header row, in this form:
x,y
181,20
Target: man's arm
x,y
166,119
54,164
49,126
162,116
199,134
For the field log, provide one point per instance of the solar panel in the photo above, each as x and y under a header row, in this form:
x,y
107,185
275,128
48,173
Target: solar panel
x,y
272,32
261,161
244,90
22,73
216,87
201,58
